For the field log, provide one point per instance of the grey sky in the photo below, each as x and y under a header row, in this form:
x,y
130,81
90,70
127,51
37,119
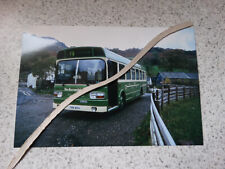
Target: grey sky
x,y
109,37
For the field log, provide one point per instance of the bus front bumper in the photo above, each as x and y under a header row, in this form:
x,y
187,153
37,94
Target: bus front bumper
x,y
98,109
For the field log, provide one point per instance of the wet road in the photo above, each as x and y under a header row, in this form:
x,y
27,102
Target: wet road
x,y
76,128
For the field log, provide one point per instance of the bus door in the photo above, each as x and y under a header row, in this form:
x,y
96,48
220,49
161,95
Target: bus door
x,y
113,86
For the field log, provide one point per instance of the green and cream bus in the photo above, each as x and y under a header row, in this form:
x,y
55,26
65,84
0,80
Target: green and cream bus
x,y
79,67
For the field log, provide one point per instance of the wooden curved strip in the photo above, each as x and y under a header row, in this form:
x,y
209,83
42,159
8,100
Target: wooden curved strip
x,y
65,103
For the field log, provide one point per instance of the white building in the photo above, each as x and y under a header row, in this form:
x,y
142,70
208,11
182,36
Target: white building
x,y
50,76
31,80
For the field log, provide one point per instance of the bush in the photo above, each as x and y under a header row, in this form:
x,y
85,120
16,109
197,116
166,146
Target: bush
x,y
44,84
44,87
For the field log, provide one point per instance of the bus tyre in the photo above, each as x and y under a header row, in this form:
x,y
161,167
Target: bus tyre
x,y
122,102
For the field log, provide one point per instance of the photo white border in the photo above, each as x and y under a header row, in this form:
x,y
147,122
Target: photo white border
x,y
210,53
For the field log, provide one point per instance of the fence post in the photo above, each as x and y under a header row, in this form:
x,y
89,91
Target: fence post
x,y
183,92
176,93
157,100
162,93
154,96
168,97
157,94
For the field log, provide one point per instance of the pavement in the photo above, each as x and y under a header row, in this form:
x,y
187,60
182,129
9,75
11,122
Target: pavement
x,y
71,128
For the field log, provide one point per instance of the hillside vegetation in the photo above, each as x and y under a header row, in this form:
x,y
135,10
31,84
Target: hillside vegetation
x,y
40,62
164,60
156,60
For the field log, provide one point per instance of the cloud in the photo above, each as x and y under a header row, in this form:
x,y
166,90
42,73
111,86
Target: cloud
x,y
31,43
183,39
109,37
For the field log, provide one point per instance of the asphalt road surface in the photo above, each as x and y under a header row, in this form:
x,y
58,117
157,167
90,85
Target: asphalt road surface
x,y
76,128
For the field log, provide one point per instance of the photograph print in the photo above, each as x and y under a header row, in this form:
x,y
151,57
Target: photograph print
x,y
156,102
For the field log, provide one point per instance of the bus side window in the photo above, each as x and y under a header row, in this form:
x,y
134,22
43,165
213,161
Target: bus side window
x,y
137,74
120,68
128,75
141,75
133,74
112,68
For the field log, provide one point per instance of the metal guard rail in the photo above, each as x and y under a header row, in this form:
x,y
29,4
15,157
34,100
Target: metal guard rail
x,y
158,130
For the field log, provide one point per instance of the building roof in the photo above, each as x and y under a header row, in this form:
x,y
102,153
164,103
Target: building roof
x,y
179,75
193,75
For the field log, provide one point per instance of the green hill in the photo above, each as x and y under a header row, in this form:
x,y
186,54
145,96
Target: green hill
x,y
168,60
39,62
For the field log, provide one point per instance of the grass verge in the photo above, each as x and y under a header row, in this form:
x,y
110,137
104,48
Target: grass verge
x,y
183,120
142,133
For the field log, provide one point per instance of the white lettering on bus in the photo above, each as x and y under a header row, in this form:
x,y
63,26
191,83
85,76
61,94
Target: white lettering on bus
x,y
69,89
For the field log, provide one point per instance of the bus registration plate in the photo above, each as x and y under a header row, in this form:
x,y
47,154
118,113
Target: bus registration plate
x,y
74,107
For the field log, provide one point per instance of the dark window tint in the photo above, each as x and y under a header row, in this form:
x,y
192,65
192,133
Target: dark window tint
x,y
83,52
128,75
137,74
87,71
98,52
120,68
91,71
133,74
65,71
80,52
112,68
60,55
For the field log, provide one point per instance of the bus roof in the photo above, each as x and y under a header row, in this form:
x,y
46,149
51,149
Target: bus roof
x,y
111,55
74,52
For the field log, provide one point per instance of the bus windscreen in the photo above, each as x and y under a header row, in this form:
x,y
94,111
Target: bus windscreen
x,y
84,71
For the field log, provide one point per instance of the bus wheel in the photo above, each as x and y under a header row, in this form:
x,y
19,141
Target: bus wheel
x,y
122,101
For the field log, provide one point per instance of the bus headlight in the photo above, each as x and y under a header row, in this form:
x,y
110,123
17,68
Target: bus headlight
x,y
97,95
57,94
